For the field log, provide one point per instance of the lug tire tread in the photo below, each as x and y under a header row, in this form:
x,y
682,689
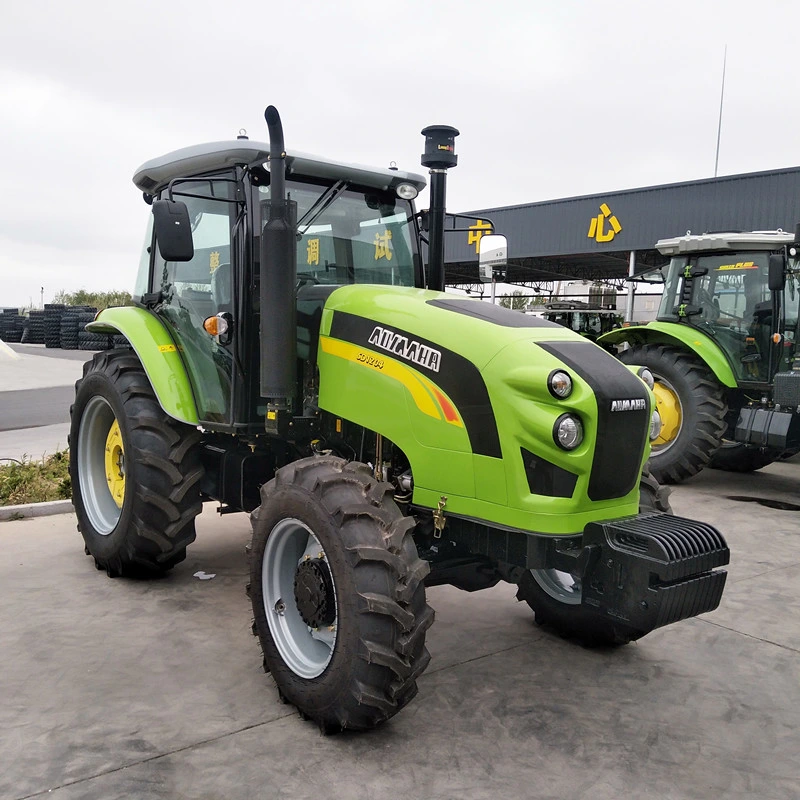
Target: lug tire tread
x,y
165,500
695,446
387,596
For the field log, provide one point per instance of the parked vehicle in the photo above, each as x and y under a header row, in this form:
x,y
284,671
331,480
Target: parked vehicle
x,y
724,353
292,356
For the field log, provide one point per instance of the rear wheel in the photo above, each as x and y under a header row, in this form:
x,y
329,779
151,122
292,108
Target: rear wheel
x,y
555,596
338,594
134,470
692,408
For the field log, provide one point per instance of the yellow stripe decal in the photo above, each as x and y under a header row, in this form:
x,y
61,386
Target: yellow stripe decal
x,y
415,384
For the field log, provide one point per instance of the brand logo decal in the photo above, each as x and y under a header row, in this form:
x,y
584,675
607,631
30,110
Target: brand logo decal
x,y
402,346
637,404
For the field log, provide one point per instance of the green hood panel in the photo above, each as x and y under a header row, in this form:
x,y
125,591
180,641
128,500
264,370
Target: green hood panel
x,y
461,387
158,354
685,336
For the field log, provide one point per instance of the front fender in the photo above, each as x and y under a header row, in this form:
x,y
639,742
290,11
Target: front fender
x,y
683,336
159,356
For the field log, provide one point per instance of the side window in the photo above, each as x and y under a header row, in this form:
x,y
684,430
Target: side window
x,y
203,285
141,287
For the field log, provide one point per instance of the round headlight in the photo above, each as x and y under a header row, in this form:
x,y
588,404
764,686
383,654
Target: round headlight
x,y
406,191
560,384
647,377
568,431
655,425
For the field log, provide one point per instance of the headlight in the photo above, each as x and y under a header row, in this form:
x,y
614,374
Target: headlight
x,y
647,377
406,191
655,425
560,384
568,431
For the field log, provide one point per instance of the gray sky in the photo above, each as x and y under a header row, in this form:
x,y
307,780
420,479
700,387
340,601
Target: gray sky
x,y
553,99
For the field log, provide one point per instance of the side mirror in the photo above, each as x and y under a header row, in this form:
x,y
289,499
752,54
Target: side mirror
x,y
492,255
173,230
777,272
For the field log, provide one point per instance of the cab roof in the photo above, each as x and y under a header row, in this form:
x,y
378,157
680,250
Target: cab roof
x,y
753,240
200,159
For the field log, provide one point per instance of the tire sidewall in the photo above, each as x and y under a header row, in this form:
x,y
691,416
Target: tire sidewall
x,y
105,546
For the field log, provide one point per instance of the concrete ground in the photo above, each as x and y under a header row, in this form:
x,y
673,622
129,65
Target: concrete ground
x,y
130,689
37,386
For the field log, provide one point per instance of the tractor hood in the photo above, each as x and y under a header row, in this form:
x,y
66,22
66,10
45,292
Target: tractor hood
x,y
462,387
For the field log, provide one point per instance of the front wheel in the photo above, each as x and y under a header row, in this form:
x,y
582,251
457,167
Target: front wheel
x,y
134,470
555,596
338,594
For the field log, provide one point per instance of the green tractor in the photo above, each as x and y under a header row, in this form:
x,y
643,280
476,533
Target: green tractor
x,y
291,355
724,353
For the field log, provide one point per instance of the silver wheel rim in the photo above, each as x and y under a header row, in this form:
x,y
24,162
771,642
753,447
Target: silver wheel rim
x,y
559,585
98,503
306,651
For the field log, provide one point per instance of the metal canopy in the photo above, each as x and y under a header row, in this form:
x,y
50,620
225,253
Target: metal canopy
x,y
592,237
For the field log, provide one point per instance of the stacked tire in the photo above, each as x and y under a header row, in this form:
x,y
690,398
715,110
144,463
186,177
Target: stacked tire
x,y
94,341
36,327
52,324
12,325
73,321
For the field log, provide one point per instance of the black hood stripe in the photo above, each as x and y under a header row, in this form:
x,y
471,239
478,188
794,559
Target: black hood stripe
x,y
454,374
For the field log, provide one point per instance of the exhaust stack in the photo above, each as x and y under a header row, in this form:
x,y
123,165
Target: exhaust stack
x,y
278,274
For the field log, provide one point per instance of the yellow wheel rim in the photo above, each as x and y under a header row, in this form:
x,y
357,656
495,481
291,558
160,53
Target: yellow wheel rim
x,y
669,408
115,464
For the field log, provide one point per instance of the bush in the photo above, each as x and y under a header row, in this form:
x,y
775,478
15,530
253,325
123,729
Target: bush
x,y
98,300
29,481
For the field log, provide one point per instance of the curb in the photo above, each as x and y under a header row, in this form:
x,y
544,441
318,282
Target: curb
x,y
28,510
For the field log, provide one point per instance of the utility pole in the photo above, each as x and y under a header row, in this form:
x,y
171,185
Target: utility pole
x,y
41,297
721,98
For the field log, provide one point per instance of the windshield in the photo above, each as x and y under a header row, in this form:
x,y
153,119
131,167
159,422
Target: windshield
x,y
351,236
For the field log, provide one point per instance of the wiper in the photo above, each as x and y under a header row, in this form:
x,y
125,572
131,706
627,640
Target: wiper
x,y
319,205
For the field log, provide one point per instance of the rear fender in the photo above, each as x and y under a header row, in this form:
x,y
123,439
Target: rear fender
x,y
159,356
682,336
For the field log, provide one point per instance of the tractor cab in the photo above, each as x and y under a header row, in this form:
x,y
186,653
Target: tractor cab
x,y
742,291
352,225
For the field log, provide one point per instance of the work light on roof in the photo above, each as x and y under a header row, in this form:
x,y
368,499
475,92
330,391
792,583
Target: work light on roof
x,y
406,191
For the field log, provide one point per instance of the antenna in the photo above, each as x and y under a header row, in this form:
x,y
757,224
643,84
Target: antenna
x,y
721,97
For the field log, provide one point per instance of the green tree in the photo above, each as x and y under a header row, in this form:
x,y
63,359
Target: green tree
x,y
516,301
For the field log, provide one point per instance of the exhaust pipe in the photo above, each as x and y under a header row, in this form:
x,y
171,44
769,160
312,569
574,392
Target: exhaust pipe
x,y
278,274
439,156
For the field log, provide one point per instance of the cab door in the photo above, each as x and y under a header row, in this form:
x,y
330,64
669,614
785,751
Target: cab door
x,y
192,291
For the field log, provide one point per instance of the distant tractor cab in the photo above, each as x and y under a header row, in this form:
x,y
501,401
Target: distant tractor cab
x,y
291,354
724,353
582,317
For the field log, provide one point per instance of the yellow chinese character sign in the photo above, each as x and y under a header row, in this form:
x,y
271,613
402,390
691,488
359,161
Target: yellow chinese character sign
x,y
597,229
382,248
312,252
476,231
213,261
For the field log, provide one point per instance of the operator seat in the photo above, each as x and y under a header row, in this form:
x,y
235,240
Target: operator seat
x,y
221,288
